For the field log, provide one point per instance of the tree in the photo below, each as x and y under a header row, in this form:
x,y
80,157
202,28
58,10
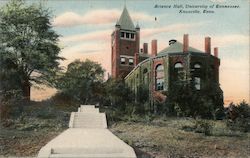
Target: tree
x,y
29,50
118,94
82,81
188,101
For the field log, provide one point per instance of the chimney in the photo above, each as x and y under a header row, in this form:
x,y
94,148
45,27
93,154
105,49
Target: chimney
x,y
172,41
154,48
145,48
185,43
216,52
208,45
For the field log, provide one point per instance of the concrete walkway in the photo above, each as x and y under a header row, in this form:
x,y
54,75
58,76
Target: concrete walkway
x,y
87,136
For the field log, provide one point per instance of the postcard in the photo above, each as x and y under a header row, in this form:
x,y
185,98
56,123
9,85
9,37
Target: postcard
x,y
126,78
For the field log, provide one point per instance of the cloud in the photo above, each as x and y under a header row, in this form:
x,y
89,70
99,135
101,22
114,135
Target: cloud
x,y
221,41
99,52
218,1
87,47
231,39
145,33
97,36
170,28
99,16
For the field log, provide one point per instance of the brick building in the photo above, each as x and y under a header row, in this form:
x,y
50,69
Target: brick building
x,y
177,62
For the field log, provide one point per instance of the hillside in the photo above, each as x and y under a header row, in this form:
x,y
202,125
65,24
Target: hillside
x,y
156,137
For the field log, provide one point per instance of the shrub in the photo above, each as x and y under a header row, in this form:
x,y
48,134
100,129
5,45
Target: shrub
x,y
239,117
203,126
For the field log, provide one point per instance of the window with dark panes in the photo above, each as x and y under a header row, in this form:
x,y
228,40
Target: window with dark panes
x,y
127,35
132,36
122,34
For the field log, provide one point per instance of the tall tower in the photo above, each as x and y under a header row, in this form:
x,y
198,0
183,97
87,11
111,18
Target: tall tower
x,y
125,41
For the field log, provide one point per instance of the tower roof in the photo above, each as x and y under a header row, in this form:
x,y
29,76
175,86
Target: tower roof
x,y
125,21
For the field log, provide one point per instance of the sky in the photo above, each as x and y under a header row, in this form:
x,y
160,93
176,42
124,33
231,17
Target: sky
x,y
85,27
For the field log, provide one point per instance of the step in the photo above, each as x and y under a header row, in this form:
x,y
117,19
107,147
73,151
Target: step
x,y
87,114
93,151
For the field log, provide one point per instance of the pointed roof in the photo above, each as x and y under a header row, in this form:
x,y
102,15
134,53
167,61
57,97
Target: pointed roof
x,y
125,21
177,47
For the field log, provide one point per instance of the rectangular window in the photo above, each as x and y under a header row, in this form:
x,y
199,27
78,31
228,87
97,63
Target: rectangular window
x,y
123,60
131,61
127,35
132,36
122,34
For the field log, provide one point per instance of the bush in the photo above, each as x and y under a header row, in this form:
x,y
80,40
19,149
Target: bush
x,y
239,117
187,101
203,126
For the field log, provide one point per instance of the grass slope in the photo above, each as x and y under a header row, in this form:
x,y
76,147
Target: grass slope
x,y
168,137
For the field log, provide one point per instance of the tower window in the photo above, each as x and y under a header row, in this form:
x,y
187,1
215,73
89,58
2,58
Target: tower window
x,y
131,61
127,35
132,36
123,60
122,34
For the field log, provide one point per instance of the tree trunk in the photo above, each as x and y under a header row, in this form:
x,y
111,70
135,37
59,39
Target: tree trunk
x,y
26,91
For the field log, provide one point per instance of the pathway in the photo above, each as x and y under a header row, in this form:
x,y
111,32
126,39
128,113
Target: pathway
x,y
87,136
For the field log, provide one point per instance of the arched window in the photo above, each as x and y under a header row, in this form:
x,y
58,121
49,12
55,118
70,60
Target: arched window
x,y
195,72
178,65
159,77
197,66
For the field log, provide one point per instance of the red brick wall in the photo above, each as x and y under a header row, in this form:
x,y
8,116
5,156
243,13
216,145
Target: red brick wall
x,y
124,47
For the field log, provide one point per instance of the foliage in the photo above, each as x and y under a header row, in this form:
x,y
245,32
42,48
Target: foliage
x,y
185,100
121,103
118,98
203,126
28,45
239,116
82,81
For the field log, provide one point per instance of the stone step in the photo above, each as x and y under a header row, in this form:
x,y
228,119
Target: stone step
x,y
87,137
87,114
88,110
87,106
81,124
88,119
88,123
93,151
87,127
